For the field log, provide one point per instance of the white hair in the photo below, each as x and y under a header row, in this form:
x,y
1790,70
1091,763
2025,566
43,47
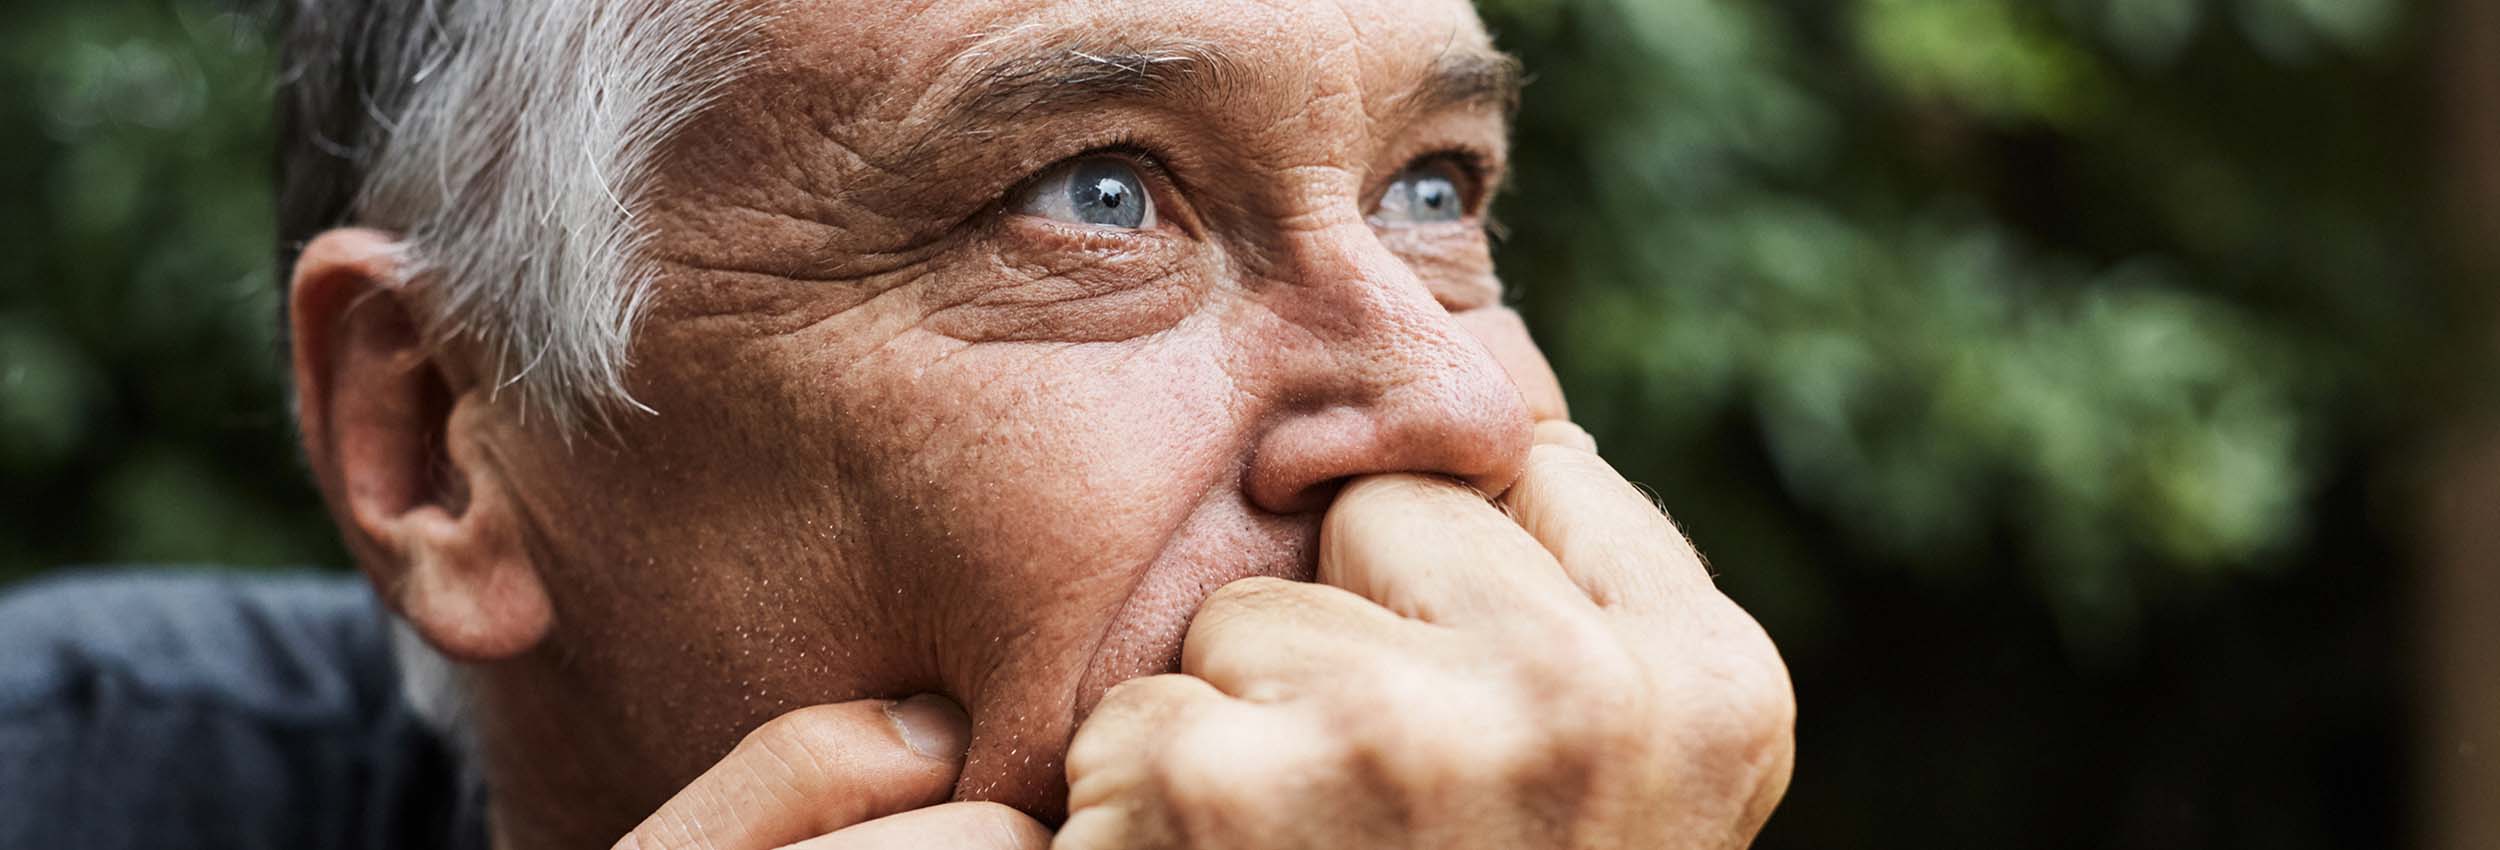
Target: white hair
x,y
510,146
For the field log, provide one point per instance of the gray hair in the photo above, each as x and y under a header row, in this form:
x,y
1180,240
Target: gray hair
x,y
508,146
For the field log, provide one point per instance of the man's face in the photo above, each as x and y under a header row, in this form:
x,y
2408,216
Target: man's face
x,y
991,335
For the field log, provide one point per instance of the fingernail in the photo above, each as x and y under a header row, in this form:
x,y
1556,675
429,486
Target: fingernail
x,y
932,726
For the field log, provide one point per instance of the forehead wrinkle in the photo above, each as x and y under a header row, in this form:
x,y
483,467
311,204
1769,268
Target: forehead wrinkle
x,y
1015,72
1011,74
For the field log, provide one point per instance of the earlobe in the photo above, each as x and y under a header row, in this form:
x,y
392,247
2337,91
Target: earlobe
x,y
473,587
398,439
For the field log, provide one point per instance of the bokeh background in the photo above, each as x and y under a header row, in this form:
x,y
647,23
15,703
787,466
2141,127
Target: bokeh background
x,y
2091,396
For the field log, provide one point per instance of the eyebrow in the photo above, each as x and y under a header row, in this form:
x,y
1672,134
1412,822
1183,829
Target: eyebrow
x,y
1074,74
1181,70
1478,76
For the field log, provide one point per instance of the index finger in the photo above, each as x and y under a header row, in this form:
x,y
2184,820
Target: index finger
x,y
1435,550
1613,542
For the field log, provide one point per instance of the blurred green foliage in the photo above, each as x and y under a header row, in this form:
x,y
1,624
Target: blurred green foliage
x,y
141,409
2020,362
2061,287
2026,366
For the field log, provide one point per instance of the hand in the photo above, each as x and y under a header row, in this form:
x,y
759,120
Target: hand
x,y
1457,679
852,776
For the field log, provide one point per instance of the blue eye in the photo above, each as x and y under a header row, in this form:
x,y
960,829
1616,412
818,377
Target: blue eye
x,y
1102,191
1424,194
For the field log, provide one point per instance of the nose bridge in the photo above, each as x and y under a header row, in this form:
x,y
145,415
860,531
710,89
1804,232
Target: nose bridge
x,y
1353,286
1375,375
1375,322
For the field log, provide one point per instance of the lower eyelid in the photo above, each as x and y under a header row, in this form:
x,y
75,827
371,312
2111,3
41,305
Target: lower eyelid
x,y
1089,237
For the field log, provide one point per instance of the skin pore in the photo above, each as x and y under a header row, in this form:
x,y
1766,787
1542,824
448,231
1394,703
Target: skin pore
x,y
911,438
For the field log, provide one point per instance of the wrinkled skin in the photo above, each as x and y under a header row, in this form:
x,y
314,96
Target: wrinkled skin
x,y
909,440
922,462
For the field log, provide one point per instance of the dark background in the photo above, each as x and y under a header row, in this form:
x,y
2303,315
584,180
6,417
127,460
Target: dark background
x,y
2087,394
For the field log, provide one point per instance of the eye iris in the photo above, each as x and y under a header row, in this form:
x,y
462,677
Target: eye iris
x,y
1422,195
1434,193
1107,193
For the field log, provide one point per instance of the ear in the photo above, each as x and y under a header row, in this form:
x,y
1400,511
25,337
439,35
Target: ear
x,y
396,434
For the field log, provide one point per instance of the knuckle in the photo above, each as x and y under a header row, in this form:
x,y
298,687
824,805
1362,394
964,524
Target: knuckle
x,y
1091,753
1571,469
1749,719
1252,593
1473,732
1145,692
1124,694
1761,709
1217,778
1195,774
1579,659
1128,716
1453,758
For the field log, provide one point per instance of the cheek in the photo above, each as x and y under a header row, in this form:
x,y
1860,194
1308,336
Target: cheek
x,y
1099,288
1502,331
1034,482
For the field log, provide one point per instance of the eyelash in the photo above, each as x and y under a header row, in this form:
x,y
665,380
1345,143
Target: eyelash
x,y
1474,165
1148,164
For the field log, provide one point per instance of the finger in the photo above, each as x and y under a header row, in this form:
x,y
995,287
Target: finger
x,y
814,771
1108,755
1609,537
1160,736
1111,782
1561,432
1436,551
955,826
1506,337
1105,826
1255,637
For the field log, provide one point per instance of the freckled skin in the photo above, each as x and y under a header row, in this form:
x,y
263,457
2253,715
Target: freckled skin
x,y
909,441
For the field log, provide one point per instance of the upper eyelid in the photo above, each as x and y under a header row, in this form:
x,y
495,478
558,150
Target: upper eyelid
x,y
1163,188
1149,165
1481,169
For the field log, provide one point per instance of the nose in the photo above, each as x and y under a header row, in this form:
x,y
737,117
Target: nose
x,y
1365,371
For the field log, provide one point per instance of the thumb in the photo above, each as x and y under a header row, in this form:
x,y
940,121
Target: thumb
x,y
955,826
814,771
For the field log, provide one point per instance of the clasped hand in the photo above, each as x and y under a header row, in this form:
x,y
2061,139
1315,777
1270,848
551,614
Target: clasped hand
x,y
1551,668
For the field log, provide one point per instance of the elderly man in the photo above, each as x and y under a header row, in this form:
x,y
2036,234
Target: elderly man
x,y
978,424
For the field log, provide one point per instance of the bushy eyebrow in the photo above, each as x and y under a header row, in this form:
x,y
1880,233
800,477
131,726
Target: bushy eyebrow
x,y
1470,77
1073,74
1006,83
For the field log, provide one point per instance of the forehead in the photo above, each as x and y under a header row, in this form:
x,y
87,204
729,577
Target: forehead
x,y
895,54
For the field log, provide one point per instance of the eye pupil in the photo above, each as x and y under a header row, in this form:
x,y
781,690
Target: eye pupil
x,y
1109,192
1422,195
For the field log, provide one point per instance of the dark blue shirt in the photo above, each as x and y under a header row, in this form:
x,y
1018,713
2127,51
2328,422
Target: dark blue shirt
x,y
211,709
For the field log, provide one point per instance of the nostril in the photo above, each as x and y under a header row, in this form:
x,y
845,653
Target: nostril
x,y
1317,497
